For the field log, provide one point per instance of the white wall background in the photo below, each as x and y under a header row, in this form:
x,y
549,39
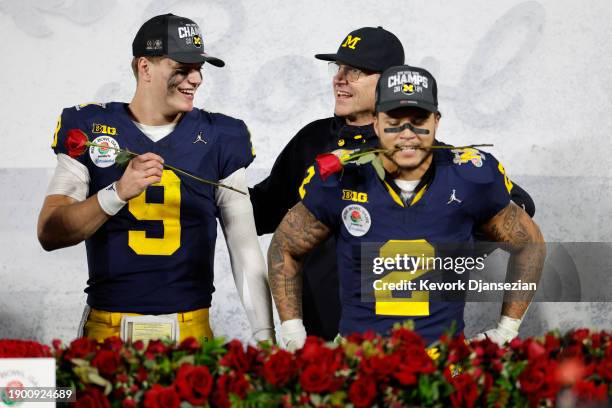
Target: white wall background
x,y
531,77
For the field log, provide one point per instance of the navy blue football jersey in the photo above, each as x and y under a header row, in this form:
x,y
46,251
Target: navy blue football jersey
x,y
367,214
156,254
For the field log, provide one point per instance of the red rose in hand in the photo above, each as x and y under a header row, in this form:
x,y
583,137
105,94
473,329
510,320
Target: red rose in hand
x,y
92,398
328,164
194,384
162,397
81,348
76,142
279,368
362,392
107,362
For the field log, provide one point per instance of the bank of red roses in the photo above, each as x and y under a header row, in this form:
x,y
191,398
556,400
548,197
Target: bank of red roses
x,y
366,370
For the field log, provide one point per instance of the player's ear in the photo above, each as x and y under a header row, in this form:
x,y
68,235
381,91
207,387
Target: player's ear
x,y
144,69
437,117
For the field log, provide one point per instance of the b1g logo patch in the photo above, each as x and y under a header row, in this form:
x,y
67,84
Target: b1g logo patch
x,y
104,156
356,220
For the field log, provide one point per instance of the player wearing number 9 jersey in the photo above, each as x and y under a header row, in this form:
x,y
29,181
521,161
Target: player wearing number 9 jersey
x,y
426,197
156,254
150,231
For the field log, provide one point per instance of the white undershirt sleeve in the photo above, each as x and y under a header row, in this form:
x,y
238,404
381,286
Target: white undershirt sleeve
x,y
248,265
71,178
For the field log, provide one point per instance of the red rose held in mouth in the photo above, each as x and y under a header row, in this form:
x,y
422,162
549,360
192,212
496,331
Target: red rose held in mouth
x,y
328,164
76,142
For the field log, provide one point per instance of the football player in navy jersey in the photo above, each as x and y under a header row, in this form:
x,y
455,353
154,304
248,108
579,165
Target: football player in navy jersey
x,y
149,231
425,197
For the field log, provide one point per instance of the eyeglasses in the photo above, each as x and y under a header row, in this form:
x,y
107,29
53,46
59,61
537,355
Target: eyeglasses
x,y
350,73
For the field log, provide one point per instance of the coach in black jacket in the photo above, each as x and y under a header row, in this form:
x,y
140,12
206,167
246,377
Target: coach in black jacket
x,y
356,67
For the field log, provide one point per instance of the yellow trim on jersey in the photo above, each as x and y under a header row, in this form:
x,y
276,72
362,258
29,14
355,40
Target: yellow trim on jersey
x,y
419,195
58,126
507,181
310,173
394,195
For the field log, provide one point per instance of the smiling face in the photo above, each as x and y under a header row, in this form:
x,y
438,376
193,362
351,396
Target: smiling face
x,y
174,84
354,99
417,133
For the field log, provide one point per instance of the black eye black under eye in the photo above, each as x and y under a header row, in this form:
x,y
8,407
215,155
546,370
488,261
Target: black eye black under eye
x,y
407,125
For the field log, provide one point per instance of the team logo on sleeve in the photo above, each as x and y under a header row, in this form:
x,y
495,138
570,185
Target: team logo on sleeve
x,y
468,155
104,156
356,220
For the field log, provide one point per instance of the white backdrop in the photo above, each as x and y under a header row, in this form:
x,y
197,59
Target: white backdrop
x,y
531,77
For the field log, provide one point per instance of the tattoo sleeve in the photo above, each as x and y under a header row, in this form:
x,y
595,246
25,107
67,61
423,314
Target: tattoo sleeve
x,y
298,234
513,227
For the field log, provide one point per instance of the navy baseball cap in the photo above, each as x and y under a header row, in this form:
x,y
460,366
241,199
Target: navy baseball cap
x,y
373,49
405,86
175,37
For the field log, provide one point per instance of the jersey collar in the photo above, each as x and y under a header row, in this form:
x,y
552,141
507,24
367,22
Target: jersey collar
x,y
395,192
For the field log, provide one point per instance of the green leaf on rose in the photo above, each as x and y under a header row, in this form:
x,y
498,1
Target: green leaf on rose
x,y
366,158
123,158
378,166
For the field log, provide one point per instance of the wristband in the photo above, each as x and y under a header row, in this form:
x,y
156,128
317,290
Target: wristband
x,y
508,323
109,199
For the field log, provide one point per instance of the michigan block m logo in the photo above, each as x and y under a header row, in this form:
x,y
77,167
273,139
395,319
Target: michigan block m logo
x,y
351,42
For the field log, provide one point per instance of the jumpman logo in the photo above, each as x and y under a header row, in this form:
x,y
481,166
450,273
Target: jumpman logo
x,y
199,139
453,197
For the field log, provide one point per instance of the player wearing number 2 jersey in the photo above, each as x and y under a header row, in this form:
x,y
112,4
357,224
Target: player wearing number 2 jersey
x,y
150,232
426,197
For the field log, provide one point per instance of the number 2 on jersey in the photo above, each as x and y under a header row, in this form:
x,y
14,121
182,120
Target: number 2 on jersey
x,y
418,303
169,212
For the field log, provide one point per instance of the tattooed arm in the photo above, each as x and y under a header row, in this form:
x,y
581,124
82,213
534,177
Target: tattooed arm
x,y
513,226
298,234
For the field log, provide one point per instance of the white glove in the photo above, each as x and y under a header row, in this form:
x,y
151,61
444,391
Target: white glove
x,y
506,330
293,334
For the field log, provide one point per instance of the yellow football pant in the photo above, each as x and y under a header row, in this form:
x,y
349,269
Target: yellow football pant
x,y
101,324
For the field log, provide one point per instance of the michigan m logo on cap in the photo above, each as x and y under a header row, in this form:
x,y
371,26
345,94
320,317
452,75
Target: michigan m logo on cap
x,y
351,42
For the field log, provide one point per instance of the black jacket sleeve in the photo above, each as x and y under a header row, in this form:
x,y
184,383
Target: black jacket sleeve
x,y
277,193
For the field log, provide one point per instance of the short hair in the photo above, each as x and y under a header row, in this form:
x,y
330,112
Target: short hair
x,y
153,60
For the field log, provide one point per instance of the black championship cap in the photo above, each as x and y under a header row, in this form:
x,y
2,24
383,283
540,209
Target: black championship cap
x,y
373,49
405,86
175,37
